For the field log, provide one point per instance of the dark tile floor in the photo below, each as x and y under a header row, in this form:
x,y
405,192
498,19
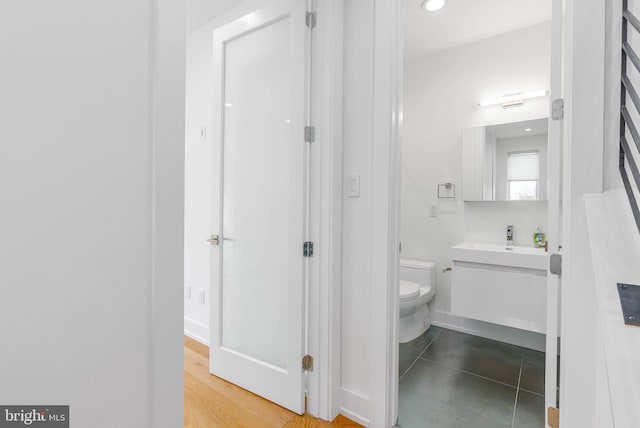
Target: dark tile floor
x,y
455,380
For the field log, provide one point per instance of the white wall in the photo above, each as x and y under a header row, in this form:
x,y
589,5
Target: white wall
x,y
357,220
202,12
91,163
198,161
372,112
441,93
372,115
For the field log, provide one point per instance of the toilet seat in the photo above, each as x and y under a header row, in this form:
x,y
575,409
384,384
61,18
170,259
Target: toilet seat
x,y
408,290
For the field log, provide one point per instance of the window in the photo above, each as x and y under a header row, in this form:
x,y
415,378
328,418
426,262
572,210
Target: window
x,y
523,175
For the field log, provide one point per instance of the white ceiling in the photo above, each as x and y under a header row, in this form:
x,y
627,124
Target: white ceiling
x,y
464,21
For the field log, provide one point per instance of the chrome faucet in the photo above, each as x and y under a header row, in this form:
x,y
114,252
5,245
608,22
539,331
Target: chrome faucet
x,y
509,237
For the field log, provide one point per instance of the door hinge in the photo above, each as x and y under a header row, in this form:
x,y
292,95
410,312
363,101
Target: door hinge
x,y
307,249
555,264
307,363
553,417
311,19
309,134
557,109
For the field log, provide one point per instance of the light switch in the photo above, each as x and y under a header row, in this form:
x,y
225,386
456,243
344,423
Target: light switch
x,y
433,211
353,186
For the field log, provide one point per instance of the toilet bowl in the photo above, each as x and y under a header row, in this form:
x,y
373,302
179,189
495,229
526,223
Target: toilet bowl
x,y
417,288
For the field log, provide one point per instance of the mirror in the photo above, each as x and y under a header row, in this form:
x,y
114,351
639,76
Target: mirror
x,y
506,162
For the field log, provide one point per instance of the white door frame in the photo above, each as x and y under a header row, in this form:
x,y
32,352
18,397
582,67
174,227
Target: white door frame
x,y
325,276
583,139
554,208
387,126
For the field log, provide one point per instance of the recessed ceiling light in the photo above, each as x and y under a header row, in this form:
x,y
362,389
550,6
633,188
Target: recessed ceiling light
x,y
527,130
432,5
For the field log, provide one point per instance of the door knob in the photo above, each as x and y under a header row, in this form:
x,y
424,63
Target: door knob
x,y
214,240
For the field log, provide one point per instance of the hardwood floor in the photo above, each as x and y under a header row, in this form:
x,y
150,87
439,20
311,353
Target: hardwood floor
x,y
210,402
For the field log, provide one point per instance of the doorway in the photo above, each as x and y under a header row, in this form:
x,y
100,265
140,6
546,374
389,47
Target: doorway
x,y
271,217
449,79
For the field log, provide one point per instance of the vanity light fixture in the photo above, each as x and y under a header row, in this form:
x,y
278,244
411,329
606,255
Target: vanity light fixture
x,y
514,100
432,5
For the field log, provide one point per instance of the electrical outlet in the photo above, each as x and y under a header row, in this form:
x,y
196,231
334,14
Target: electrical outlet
x,y
201,296
187,291
433,211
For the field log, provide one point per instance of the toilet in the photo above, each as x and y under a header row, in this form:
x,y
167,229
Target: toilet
x,y
417,288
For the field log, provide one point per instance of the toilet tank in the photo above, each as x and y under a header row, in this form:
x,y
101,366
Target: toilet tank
x,y
418,271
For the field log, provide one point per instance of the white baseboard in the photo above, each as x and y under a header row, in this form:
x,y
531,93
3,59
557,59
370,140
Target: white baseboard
x,y
514,336
354,406
196,331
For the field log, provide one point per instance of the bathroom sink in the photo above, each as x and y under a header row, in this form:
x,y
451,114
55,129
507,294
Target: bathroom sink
x,y
495,254
506,287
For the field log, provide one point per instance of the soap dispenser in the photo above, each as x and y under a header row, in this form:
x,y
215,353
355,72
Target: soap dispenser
x,y
539,238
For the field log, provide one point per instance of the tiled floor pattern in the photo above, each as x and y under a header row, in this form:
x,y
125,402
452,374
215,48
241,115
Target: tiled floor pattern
x,y
455,380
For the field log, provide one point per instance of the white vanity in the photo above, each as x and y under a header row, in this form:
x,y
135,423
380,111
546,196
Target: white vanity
x,y
500,286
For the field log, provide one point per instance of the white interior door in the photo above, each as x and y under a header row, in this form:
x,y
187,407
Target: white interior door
x,y
258,269
555,209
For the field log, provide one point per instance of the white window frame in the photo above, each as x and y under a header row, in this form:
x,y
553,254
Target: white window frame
x,y
523,152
